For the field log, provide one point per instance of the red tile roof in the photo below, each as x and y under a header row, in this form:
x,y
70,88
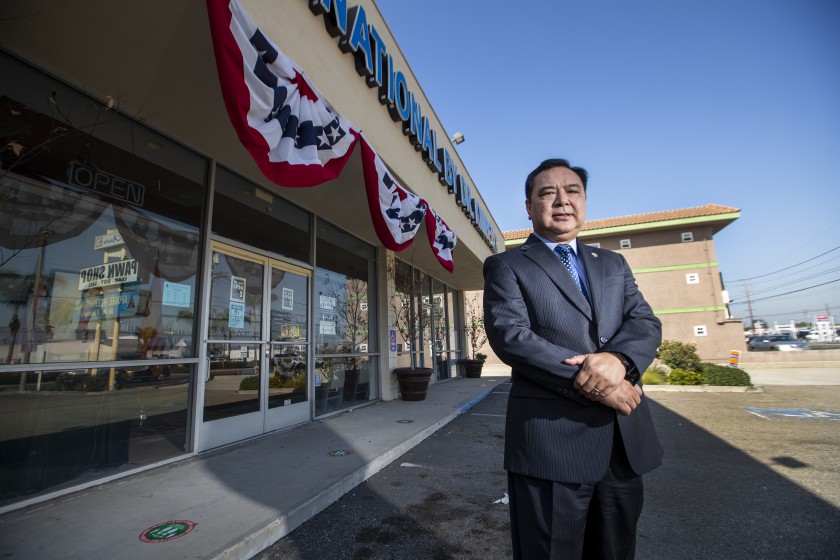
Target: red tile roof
x,y
650,217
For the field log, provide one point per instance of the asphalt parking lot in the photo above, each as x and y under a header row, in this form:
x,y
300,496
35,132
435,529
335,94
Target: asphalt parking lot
x,y
736,483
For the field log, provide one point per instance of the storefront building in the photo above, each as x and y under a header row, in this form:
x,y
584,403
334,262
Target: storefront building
x,y
164,291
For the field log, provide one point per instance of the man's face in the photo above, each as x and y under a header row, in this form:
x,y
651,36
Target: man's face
x,y
557,206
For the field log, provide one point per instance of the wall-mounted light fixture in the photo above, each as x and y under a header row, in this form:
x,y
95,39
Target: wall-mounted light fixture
x,y
457,137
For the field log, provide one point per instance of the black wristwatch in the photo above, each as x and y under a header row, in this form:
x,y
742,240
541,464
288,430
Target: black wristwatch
x,y
631,374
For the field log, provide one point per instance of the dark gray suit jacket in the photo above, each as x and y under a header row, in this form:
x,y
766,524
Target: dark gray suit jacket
x,y
536,317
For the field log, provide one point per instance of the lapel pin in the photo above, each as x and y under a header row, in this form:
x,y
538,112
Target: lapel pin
x,y
594,255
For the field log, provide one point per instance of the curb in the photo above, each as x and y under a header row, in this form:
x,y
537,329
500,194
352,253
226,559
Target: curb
x,y
474,401
702,389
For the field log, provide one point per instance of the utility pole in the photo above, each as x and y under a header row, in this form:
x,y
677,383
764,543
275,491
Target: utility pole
x,y
749,307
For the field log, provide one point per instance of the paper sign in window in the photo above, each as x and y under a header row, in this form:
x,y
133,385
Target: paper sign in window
x,y
236,315
288,301
176,295
237,289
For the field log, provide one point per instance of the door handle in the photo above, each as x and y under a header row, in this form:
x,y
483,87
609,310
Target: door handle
x,y
207,370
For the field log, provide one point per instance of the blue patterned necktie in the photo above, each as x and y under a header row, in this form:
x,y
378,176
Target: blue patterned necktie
x,y
565,253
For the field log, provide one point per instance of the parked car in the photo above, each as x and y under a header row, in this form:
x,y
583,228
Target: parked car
x,y
781,342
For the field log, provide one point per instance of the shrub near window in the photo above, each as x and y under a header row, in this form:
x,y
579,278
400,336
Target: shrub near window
x,y
714,374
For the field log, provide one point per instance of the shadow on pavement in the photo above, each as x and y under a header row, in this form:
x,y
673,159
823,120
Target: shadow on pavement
x,y
434,502
712,500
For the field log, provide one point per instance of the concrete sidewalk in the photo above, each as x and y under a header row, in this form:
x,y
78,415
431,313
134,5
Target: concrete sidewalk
x,y
242,498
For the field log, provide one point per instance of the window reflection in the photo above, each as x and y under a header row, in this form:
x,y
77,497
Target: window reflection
x,y
289,296
236,290
407,315
98,248
233,384
426,317
99,255
343,382
87,430
344,314
287,382
441,329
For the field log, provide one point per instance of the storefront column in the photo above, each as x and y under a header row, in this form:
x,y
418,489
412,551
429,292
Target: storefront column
x,y
387,320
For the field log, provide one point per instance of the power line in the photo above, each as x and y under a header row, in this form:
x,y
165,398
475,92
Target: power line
x,y
790,313
794,273
788,267
792,282
741,297
796,291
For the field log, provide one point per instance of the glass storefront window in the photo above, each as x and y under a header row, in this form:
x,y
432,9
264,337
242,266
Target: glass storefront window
x,y
441,329
236,296
236,292
287,383
87,431
99,257
426,316
289,319
406,315
233,384
454,329
426,343
343,382
99,246
344,319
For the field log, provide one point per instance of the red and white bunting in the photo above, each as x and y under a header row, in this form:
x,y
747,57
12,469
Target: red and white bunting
x,y
441,238
396,212
295,137
298,140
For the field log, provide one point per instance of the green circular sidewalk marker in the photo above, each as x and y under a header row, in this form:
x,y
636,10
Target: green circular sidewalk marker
x,y
340,453
167,531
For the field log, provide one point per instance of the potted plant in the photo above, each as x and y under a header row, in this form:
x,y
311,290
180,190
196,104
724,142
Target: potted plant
x,y
472,366
413,380
477,337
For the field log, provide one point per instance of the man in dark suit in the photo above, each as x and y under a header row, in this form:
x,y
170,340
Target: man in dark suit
x,y
577,334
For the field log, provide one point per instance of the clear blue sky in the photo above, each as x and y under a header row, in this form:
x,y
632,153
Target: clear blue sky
x,y
669,104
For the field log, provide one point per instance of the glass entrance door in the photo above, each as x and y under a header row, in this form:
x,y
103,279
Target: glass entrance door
x,y
256,378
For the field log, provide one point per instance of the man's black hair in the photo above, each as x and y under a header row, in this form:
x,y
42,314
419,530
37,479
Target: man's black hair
x,y
550,164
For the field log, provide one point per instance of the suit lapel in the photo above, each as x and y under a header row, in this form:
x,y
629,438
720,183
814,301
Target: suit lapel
x,y
536,250
594,274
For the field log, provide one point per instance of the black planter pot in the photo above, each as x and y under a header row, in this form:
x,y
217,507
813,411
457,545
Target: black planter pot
x,y
472,368
413,382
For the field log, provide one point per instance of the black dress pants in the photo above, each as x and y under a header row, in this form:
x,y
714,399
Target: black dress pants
x,y
572,521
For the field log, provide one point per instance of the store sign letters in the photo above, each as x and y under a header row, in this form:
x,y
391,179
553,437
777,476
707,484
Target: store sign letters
x,y
108,274
376,66
108,184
